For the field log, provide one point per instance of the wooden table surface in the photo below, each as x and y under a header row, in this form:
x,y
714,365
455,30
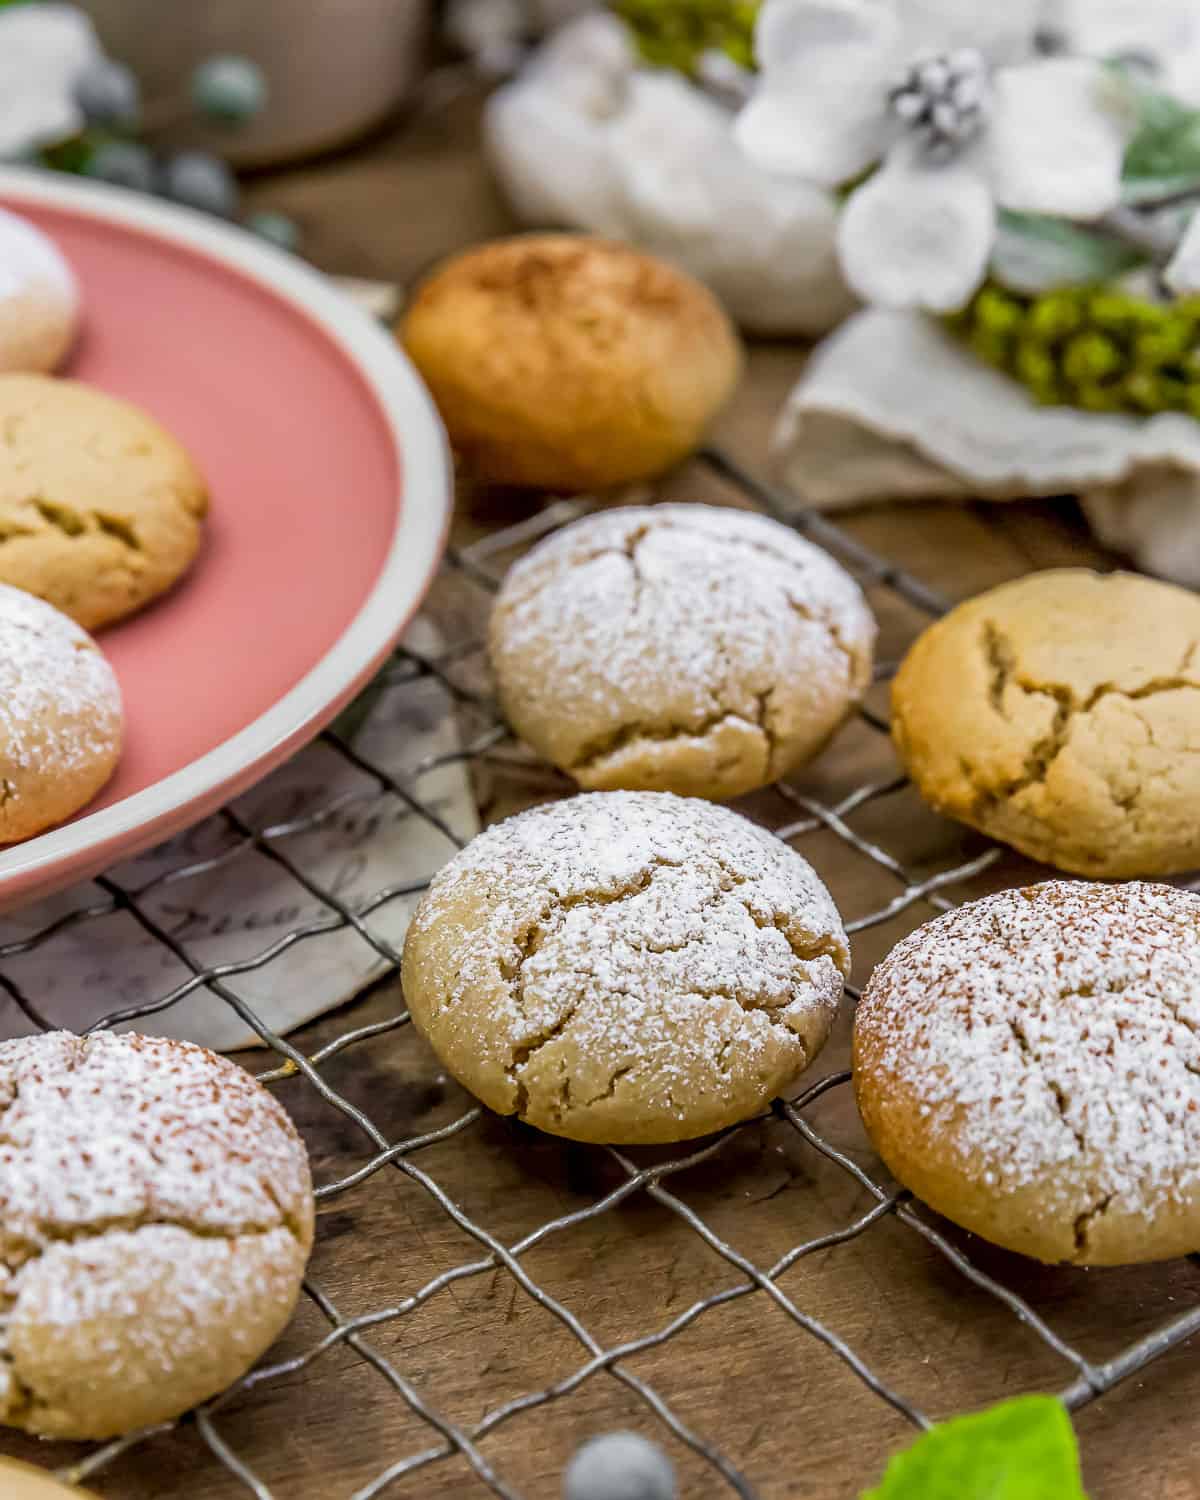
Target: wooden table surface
x,y
777,1402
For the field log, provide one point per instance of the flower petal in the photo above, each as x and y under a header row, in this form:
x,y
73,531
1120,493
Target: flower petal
x,y
820,110
918,234
1057,138
1106,28
43,50
1183,274
1003,30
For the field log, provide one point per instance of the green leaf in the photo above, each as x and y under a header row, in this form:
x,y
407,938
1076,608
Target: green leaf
x,y
1020,1450
1034,254
1167,141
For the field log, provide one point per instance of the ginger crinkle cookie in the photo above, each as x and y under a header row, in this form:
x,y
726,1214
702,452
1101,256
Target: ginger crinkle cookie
x,y
1061,714
626,967
561,361
61,720
156,1214
1029,1065
101,509
683,648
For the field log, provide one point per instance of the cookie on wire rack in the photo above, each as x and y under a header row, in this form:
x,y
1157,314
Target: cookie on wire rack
x,y
156,1215
1029,1066
1060,713
626,967
694,649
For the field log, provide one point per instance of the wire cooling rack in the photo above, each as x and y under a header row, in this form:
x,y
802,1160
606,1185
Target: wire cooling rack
x,y
484,737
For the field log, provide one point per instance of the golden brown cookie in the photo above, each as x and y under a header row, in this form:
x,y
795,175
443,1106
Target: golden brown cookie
x,y
1029,1065
1061,714
39,298
156,1214
100,507
61,720
680,648
626,967
566,362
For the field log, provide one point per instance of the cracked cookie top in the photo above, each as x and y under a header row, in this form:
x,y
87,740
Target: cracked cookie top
x,y
100,507
61,718
626,967
1061,714
568,362
683,648
156,1212
1029,1065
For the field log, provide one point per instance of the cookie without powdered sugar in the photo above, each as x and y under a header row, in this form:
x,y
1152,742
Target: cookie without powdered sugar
x,y
101,510
1060,713
1029,1065
626,967
682,648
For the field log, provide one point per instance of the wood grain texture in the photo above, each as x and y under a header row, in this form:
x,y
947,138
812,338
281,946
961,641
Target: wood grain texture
x,y
777,1401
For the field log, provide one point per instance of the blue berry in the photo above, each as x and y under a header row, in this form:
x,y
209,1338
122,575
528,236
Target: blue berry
x,y
201,181
277,228
232,89
620,1466
108,94
123,163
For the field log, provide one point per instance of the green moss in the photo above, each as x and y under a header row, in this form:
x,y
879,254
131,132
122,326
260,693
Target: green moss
x,y
1096,348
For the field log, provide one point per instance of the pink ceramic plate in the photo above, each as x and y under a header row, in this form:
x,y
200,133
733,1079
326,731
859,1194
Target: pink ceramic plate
x,y
331,493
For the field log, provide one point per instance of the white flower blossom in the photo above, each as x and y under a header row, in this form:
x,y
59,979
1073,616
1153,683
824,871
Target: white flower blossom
x,y
1165,33
43,50
948,97
587,138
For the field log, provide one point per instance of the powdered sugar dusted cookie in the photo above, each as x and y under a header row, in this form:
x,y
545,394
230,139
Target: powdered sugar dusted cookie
x,y
1029,1065
156,1214
683,648
61,721
626,966
39,299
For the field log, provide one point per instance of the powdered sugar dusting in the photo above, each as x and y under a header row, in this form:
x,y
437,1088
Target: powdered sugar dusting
x,y
60,706
1051,1036
39,298
636,937
126,1161
107,1130
667,619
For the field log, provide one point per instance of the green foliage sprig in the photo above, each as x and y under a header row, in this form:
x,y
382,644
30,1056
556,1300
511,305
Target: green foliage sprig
x,y
1094,347
1020,1450
677,33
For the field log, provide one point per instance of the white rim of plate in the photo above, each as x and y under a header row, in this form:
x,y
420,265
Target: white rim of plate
x,y
423,457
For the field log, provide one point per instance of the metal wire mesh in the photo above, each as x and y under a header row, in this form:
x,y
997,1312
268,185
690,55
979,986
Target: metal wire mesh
x,y
485,736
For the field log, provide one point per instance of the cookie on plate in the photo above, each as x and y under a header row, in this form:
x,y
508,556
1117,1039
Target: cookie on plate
x,y
101,509
626,967
61,720
683,648
565,362
1029,1065
39,299
1061,714
156,1215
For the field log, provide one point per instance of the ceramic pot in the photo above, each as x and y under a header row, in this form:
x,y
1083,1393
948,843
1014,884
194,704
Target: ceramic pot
x,y
335,67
